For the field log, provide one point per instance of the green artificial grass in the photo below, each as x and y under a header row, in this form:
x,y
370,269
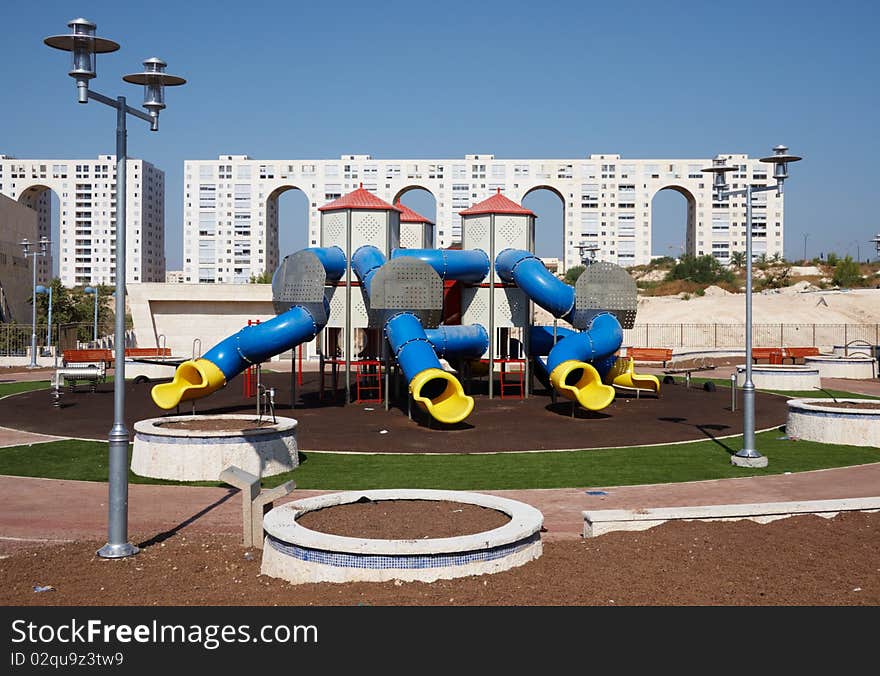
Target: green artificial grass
x,y
23,386
670,463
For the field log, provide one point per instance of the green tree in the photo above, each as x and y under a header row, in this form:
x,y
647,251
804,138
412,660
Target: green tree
x,y
700,269
832,259
75,306
572,274
847,273
738,259
264,277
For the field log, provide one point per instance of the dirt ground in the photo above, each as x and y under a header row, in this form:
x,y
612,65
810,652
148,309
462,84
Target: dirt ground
x,y
803,560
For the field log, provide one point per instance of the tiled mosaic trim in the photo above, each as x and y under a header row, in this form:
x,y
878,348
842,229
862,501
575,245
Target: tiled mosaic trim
x,y
403,561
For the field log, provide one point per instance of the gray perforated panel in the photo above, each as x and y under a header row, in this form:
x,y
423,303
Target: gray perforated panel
x,y
511,307
333,229
299,280
605,287
368,227
411,236
475,232
406,284
511,232
336,297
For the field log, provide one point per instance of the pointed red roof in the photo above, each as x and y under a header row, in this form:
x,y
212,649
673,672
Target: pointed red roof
x,y
497,204
407,215
359,199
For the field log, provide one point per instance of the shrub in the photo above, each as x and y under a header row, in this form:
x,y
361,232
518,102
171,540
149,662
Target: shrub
x,y
847,273
572,274
700,269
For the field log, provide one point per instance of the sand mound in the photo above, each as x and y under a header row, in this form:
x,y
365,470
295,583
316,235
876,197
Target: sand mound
x,y
715,291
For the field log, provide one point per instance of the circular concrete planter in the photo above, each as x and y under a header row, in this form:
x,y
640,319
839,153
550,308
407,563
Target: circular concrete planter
x,y
300,555
162,452
857,366
780,377
820,420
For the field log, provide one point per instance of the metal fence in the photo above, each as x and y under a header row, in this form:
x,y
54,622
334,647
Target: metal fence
x,y
15,339
763,335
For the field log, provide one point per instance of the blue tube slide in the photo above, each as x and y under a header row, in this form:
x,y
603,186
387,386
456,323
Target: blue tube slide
x,y
470,266
251,345
603,338
528,273
435,391
567,360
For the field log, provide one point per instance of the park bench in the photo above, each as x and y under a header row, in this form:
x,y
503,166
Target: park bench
x,y
641,354
795,353
773,355
147,352
89,356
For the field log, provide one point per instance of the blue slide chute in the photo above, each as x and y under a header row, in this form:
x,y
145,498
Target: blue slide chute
x,y
436,391
572,362
254,344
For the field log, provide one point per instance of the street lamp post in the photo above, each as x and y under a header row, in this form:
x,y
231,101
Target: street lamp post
x,y
94,290
48,290
748,456
84,45
42,251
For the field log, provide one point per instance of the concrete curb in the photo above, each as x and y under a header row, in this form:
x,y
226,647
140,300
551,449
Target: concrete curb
x,y
599,522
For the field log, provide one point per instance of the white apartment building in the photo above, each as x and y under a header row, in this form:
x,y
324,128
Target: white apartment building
x,y
86,239
231,204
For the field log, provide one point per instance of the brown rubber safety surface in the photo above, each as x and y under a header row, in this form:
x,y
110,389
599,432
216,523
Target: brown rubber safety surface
x,y
679,414
802,560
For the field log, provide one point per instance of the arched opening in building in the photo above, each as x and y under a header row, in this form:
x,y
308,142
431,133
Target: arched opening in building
x,y
548,204
673,222
44,200
287,218
422,201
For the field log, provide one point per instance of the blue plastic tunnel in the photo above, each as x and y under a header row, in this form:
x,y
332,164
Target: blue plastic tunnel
x,y
567,364
437,392
254,344
529,273
470,265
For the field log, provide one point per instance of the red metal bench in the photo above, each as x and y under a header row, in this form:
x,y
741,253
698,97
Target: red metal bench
x,y
660,354
795,353
88,357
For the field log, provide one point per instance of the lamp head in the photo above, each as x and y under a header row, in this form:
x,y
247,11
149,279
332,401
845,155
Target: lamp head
x,y
780,160
154,79
42,289
719,168
83,45
90,290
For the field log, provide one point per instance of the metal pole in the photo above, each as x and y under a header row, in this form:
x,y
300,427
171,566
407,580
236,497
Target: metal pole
x,y
749,456
95,324
49,321
348,253
118,545
491,304
33,363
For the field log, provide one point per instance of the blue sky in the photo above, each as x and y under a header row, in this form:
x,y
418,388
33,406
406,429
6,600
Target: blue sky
x,y
279,80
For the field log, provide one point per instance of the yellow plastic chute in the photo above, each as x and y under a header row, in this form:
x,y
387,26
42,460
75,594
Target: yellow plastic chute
x,y
580,382
624,375
441,395
192,379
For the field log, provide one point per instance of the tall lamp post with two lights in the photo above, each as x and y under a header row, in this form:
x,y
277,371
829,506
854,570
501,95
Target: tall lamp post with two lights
x,y
84,45
748,456
42,251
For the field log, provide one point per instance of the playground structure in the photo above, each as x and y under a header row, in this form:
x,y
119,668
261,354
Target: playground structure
x,y
376,307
